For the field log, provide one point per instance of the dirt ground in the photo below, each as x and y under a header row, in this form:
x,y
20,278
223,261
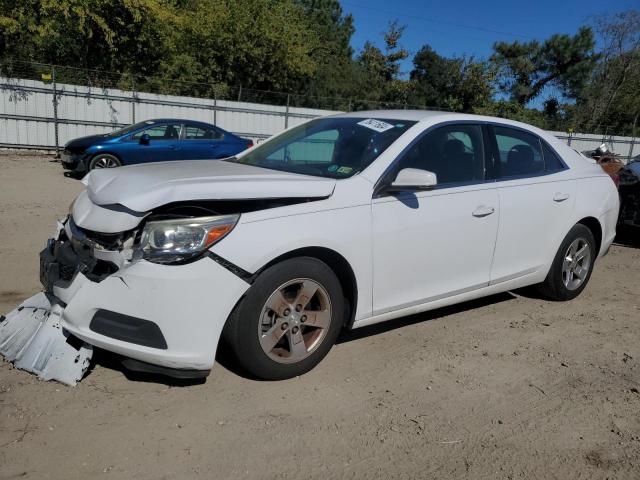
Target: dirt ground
x,y
503,388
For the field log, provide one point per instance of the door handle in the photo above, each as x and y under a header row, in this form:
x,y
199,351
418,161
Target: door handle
x,y
560,197
483,211
174,147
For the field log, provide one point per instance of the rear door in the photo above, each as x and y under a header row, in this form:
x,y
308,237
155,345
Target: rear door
x,y
203,142
536,198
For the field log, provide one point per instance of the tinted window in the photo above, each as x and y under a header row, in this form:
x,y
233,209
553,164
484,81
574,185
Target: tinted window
x,y
169,131
520,152
130,128
335,147
317,148
552,161
202,133
454,153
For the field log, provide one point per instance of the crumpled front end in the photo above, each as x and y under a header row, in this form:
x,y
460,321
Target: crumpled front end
x,y
161,318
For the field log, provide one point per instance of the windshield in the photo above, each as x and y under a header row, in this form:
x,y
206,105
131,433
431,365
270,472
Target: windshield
x,y
130,128
334,147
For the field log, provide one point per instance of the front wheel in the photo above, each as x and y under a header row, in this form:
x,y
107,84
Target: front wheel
x,y
104,160
572,266
288,320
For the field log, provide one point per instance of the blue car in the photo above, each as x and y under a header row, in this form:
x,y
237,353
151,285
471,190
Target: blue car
x,y
152,141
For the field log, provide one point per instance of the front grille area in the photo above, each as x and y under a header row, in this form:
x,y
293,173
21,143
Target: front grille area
x,y
108,241
67,272
64,257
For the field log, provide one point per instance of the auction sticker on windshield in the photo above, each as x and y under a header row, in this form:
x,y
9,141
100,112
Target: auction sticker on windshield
x,y
377,125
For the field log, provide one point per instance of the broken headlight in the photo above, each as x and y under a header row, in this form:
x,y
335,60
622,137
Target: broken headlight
x,y
179,240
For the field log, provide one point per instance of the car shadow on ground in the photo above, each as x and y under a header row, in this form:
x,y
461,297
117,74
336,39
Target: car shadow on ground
x,y
226,359
112,361
387,326
74,175
627,236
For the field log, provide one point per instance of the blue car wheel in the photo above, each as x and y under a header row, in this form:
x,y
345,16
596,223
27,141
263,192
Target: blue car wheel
x,y
104,160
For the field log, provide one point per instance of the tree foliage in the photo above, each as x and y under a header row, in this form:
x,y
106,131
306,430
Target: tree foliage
x,y
612,95
460,84
303,47
561,61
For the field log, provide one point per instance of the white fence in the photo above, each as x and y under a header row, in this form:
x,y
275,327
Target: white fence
x,y
626,147
30,118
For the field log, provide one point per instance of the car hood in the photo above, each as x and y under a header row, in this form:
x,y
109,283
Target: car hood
x,y
144,187
82,143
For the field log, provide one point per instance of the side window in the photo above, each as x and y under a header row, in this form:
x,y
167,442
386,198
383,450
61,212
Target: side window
x,y
314,149
454,153
160,132
201,133
520,152
552,162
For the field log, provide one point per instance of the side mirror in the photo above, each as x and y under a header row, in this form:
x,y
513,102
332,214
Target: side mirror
x,y
412,179
145,139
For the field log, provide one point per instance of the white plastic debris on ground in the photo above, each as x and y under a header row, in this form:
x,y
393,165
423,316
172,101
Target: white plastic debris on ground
x,y
31,337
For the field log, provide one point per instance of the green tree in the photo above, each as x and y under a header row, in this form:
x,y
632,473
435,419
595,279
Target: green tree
x,y
335,68
258,44
379,71
460,84
612,98
562,61
120,35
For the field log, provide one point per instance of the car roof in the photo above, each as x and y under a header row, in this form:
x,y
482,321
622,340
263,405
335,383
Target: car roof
x,y
414,115
180,120
435,116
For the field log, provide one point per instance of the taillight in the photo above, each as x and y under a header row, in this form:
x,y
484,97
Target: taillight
x,y
250,144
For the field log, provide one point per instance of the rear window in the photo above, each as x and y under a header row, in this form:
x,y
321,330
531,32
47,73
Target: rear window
x,y
552,161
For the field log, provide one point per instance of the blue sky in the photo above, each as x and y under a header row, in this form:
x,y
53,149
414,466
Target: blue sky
x,y
437,22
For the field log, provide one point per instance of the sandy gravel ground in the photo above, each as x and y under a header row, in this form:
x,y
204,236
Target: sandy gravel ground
x,y
507,387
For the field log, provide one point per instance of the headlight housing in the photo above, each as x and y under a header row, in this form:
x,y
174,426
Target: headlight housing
x,y
180,240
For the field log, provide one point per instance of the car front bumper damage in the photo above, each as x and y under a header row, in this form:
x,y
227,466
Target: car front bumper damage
x,y
164,319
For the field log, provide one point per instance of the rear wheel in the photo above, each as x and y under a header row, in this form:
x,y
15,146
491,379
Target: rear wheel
x,y
288,320
572,266
104,160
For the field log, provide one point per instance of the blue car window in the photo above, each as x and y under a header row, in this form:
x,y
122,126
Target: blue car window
x,y
169,131
201,133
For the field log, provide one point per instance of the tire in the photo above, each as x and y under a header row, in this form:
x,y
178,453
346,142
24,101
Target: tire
x,y
569,266
262,327
104,160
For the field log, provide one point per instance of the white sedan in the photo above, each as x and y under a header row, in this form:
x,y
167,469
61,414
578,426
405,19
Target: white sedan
x,y
341,222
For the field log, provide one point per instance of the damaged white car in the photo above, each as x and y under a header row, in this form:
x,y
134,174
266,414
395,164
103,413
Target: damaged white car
x,y
339,223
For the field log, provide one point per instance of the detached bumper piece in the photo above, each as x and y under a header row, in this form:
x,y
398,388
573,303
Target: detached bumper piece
x,y
31,337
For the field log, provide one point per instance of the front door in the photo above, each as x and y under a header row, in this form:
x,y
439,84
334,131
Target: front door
x,y
434,244
164,144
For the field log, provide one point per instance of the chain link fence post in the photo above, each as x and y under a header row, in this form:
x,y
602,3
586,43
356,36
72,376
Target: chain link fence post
x,y
286,113
133,102
55,110
633,139
215,106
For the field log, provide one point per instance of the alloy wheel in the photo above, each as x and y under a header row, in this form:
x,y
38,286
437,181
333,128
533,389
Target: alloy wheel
x,y
576,264
294,320
105,162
